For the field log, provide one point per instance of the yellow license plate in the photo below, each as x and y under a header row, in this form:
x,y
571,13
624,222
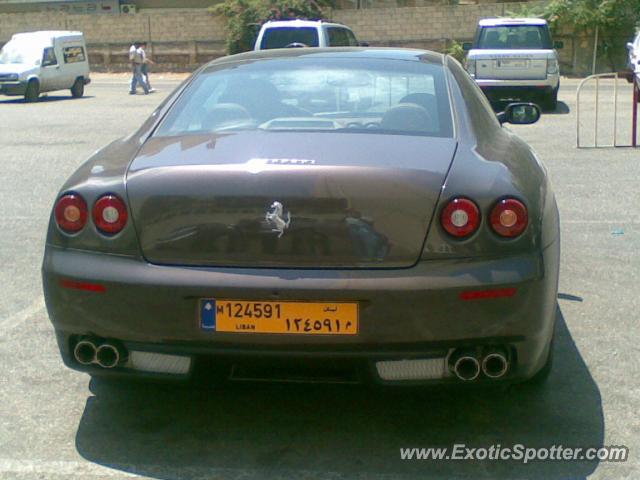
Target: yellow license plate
x,y
297,318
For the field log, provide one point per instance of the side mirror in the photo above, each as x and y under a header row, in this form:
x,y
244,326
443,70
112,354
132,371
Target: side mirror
x,y
558,44
38,61
520,114
630,46
466,46
363,44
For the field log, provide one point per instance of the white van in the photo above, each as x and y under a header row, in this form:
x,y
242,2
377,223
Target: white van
x,y
304,33
37,62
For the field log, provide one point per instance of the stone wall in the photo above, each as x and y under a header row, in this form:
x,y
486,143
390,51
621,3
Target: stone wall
x,y
180,39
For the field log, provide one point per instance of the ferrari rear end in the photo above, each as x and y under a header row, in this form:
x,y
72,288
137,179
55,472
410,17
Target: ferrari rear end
x,y
309,216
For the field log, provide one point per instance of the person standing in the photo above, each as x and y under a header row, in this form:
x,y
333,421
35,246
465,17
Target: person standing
x,y
145,66
136,56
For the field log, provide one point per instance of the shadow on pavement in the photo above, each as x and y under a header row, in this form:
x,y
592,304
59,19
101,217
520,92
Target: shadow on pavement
x,y
561,109
267,431
43,99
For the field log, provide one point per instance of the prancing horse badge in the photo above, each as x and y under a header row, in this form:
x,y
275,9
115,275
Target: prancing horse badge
x,y
276,219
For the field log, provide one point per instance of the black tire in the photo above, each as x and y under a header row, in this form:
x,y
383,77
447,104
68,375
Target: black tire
x,y
32,93
77,90
550,101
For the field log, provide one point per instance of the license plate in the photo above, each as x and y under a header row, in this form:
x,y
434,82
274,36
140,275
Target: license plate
x,y
296,318
513,63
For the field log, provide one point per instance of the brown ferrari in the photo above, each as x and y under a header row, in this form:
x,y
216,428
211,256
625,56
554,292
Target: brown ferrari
x,y
309,214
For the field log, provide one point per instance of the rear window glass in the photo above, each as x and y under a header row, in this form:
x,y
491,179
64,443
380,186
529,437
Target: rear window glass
x,y
281,37
73,54
515,37
350,95
341,37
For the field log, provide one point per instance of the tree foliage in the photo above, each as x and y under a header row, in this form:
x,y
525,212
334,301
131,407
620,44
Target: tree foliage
x,y
527,10
456,51
586,15
615,20
244,17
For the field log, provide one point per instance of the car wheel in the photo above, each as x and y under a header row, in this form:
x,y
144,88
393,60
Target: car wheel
x,y
77,90
32,92
550,102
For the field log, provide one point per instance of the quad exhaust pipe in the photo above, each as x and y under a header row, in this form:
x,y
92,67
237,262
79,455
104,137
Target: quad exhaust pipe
x,y
85,352
88,352
495,364
467,365
107,356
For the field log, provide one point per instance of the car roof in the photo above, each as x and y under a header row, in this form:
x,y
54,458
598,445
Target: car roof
x,y
497,22
299,23
380,53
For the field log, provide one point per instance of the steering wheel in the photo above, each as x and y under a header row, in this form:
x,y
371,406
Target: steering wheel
x,y
296,45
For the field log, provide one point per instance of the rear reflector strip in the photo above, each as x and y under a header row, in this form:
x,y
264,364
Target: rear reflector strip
x,y
419,369
89,287
487,294
158,362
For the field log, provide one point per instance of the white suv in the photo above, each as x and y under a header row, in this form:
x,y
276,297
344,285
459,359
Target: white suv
x,y
515,59
304,33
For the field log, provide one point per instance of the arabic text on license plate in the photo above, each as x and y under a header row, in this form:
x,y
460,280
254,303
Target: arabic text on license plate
x,y
298,318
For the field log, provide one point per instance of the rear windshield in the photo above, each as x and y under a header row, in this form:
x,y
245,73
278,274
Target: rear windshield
x,y
341,37
514,37
281,37
315,94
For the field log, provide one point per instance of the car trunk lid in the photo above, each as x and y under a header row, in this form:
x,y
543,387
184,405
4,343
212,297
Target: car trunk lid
x,y
347,200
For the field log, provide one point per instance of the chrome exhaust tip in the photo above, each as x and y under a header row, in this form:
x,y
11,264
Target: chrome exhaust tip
x,y
466,366
107,356
85,352
495,364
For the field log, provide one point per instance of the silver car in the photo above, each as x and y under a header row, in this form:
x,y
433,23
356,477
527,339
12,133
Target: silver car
x,y
515,59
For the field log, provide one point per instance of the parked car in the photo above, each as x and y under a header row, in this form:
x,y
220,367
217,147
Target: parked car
x,y
634,54
515,59
374,222
38,62
304,33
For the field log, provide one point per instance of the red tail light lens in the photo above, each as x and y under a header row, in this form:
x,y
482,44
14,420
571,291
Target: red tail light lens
x,y
110,214
460,218
509,218
71,213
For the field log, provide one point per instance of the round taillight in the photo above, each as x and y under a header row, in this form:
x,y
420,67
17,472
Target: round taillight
x,y
110,214
71,213
460,218
509,218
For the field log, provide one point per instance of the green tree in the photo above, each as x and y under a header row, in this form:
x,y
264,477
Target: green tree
x,y
526,10
456,51
244,17
614,20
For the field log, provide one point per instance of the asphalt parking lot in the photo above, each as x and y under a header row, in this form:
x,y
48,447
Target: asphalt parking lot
x,y
55,423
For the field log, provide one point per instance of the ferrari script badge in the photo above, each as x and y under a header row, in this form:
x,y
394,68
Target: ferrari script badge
x,y
276,219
